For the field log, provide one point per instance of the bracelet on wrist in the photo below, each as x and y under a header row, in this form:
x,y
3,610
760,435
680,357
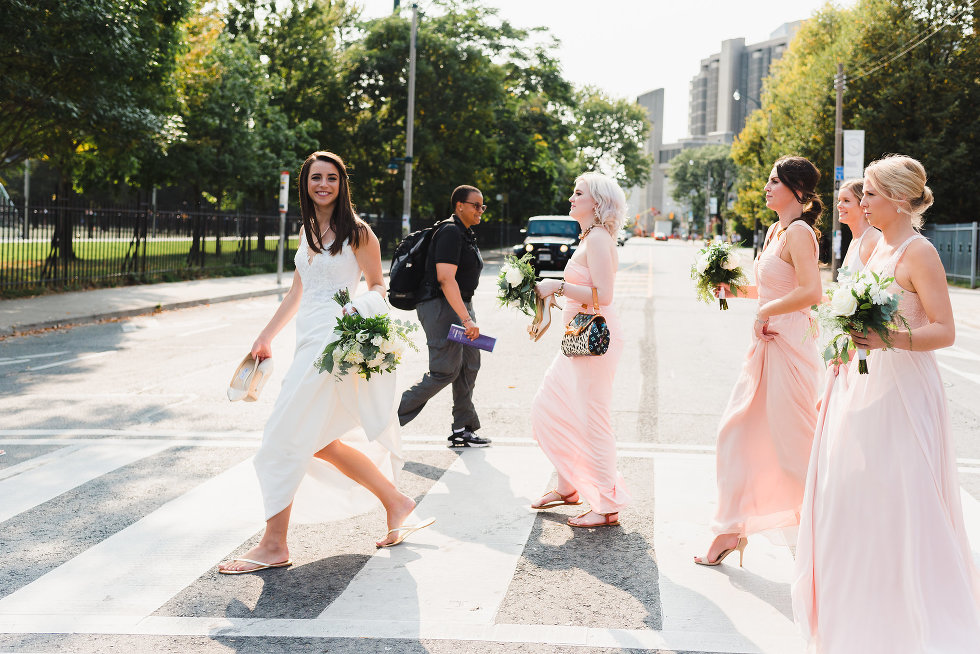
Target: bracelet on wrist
x,y
466,320
561,290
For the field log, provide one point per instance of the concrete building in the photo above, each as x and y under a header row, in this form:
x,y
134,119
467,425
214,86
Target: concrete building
x,y
714,113
715,116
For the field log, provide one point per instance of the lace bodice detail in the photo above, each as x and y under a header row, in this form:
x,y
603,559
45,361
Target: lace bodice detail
x,y
326,274
909,305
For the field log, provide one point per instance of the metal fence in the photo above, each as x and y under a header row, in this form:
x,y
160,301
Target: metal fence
x,y
59,246
957,246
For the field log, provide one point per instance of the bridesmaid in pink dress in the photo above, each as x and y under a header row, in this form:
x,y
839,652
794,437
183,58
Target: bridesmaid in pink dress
x,y
883,563
864,237
767,428
570,415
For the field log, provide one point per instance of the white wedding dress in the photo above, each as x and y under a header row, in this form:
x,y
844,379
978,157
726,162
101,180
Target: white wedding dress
x,y
314,409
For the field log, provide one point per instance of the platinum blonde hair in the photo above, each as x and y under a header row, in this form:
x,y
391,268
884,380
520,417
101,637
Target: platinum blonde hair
x,y
610,200
902,180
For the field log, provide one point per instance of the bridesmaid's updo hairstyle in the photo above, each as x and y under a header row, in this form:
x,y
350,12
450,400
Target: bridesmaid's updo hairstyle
x,y
902,180
345,223
610,200
855,186
801,177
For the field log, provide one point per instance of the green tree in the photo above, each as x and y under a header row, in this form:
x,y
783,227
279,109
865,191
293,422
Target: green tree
x,y
610,134
691,171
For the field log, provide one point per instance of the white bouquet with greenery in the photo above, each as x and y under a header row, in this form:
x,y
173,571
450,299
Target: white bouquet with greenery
x,y
715,264
860,303
366,345
515,284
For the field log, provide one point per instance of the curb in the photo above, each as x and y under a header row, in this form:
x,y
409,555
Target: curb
x,y
15,330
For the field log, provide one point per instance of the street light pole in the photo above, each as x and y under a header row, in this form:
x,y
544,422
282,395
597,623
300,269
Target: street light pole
x,y
838,139
410,126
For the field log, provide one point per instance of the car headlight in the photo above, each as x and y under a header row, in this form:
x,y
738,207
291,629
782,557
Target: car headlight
x,y
529,248
563,248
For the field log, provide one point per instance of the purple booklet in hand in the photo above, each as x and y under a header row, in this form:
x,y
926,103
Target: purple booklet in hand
x,y
484,342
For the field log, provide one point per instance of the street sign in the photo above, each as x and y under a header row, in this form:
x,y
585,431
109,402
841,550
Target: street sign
x,y
853,153
839,173
714,206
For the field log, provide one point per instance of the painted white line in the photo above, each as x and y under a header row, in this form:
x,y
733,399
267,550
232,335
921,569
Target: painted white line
x,y
137,570
973,377
204,329
84,357
956,352
136,433
970,471
457,570
42,478
393,629
749,606
35,356
170,442
14,362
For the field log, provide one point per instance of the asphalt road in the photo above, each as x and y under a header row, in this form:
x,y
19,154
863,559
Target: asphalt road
x,y
125,467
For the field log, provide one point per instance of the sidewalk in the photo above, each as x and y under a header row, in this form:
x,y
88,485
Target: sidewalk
x,y
18,316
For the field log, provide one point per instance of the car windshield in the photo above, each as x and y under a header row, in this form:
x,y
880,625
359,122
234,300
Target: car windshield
x,y
565,228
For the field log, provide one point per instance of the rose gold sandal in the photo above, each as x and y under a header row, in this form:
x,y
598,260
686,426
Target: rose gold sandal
x,y
608,522
562,501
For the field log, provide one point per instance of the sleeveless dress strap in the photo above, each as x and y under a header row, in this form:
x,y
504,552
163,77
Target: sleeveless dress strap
x,y
813,236
892,263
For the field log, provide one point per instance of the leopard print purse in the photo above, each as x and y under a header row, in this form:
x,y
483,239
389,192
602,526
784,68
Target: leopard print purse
x,y
587,334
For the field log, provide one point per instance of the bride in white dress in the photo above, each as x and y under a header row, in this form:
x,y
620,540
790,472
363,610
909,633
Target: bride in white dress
x,y
340,436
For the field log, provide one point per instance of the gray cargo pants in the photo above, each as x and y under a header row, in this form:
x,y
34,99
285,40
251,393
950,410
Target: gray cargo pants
x,y
449,363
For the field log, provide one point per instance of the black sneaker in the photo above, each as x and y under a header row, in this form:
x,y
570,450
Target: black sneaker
x,y
466,438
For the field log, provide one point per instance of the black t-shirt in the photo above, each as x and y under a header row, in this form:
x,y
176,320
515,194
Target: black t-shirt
x,y
456,244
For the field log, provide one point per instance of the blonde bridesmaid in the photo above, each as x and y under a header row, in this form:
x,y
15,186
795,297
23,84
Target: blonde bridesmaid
x,y
570,415
766,430
883,562
864,237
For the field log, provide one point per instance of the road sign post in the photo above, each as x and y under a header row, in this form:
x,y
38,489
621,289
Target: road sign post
x,y
283,203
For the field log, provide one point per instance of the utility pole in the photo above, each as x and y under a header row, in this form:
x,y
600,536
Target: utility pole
x,y
410,126
707,206
27,196
838,169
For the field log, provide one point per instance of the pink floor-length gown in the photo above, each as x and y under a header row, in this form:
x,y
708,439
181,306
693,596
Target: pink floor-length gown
x,y
766,430
570,415
883,563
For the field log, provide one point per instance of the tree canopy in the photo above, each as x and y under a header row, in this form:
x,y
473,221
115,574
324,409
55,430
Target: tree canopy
x,y
211,100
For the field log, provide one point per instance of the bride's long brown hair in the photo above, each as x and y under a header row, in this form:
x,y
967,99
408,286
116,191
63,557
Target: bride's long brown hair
x,y
344,221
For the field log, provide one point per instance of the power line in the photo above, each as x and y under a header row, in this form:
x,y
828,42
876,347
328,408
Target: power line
x,y
915,44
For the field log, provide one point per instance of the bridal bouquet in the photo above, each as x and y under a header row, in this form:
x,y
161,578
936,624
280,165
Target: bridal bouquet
x,y
515,284
859,302
366,346
717,264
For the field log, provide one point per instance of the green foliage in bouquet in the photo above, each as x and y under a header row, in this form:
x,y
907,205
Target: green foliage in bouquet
x,y
859,303
717,264
365,346
515,284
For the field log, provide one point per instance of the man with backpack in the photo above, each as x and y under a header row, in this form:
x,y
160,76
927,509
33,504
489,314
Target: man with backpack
x,y
452,273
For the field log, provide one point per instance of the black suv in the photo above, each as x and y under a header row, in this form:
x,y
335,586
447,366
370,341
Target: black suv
x,y
551,240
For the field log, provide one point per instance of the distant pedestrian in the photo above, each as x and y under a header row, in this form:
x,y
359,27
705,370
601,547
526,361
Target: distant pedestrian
x,y
452,274
766,430
883,563
571,414
317,418
864,237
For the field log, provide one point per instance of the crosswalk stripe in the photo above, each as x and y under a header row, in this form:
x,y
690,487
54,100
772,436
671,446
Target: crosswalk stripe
x,y
750,606
457,570
136,570
37,480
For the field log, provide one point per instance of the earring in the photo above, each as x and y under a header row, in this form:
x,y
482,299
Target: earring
x,y
595,212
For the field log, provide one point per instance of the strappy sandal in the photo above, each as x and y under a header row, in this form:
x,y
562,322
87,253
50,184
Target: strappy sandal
x,y
607,523
562,501
406,531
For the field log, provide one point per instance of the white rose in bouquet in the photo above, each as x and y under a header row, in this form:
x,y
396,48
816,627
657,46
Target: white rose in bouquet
x,y
377,340
702,263
387,346
844,303
514,276
731,262
363,336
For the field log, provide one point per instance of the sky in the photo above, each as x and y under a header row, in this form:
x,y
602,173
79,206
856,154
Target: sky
x,y
629,47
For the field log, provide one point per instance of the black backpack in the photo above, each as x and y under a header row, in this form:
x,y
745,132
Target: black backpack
x,y
407,275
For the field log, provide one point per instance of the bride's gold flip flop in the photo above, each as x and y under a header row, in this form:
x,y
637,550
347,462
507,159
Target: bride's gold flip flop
x,y
406,531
